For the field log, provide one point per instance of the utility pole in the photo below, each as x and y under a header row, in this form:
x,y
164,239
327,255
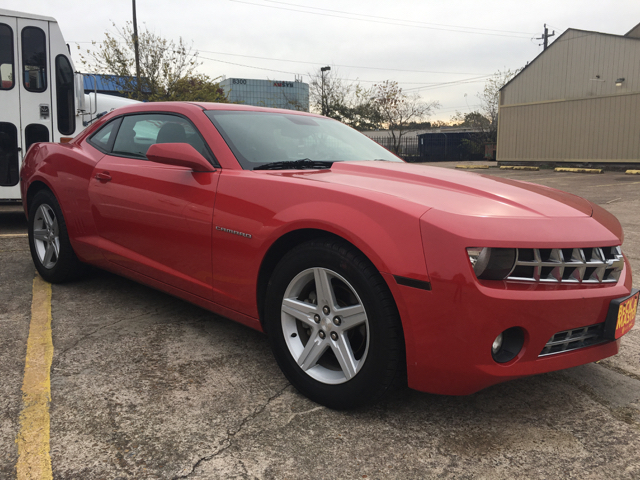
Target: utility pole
x,y
135,48
324,101
545,37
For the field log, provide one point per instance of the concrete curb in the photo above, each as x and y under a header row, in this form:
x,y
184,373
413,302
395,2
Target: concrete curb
x,y
471,167
515,167
632,172
579,170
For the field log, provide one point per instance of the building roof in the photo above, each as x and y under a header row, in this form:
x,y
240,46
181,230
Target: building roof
x,y
108,83
633,34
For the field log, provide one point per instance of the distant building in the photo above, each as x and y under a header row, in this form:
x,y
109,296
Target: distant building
x,y
576,102
268,93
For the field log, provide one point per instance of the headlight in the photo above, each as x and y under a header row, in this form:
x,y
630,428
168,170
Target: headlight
x,y
492,263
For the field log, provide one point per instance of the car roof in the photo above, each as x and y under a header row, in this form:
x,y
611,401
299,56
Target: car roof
x,y
185,107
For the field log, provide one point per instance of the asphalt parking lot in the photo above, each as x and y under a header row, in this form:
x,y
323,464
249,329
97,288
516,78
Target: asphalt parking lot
x,y
144,385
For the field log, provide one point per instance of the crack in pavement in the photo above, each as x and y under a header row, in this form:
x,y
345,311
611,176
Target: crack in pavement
x,y
227,442
84,337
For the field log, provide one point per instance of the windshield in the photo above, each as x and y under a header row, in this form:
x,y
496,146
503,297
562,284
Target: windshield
x,y
260,138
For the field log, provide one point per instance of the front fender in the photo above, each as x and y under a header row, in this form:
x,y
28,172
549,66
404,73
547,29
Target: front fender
x,y
386,229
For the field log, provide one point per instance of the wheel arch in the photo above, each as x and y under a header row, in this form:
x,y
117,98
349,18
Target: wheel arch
x,y
33,190
279,249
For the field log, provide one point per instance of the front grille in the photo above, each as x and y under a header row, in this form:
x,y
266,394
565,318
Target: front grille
x,y
574,339
568,265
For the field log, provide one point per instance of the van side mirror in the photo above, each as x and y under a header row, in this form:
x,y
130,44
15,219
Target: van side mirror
x,y
79,91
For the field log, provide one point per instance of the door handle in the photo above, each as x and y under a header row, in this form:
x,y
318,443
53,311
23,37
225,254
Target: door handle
x,y
103,176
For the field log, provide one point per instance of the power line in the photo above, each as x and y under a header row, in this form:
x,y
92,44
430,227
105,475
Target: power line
x,y
250,66
317,63
397,19
455,82
523,36
338,65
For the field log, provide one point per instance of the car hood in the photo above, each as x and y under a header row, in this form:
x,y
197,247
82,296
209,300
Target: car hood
x,y
453,191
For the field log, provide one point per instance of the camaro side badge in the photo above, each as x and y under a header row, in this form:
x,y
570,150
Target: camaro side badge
x,y
228,230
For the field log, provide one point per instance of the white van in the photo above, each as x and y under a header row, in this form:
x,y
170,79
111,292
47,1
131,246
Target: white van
x,y
42,97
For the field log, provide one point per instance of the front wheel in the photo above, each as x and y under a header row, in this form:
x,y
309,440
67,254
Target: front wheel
x,y
333,325
51,250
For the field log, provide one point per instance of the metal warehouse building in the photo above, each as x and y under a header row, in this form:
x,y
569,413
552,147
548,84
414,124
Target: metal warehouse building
x,y
577,102
268,93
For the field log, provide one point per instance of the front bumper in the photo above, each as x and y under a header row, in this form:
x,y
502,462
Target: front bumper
x,y
449,330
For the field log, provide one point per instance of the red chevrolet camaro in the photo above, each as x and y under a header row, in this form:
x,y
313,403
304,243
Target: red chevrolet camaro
x,y
363,270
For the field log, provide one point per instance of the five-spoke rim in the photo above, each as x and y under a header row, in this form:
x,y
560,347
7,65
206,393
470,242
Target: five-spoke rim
x,y
46,236
325,325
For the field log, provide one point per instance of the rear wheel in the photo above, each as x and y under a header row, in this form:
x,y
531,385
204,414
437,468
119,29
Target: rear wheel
x,y
333,325
51,250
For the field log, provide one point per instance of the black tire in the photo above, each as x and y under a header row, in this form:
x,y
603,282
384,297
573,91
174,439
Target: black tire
x,y
367,328
51,250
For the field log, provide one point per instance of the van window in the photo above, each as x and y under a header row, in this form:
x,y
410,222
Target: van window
x,y
34,59
65,96
6,57
35,133
9,162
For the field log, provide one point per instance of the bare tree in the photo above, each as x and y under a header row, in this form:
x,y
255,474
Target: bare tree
x,y
485,119
347,102
399,112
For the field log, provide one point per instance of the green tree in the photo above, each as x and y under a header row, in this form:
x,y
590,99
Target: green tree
x,y
399,112
167,68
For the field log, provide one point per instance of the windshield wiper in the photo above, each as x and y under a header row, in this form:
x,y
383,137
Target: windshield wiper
x,y
302,164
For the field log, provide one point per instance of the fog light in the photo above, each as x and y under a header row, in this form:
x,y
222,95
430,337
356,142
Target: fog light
x,y
507,345
497,344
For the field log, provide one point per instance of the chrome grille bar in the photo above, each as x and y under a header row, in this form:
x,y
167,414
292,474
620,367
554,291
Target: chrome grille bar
x,y
568,265
574,339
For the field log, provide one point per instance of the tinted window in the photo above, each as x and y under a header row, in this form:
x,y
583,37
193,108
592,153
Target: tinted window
x,y
6,57
35,133
64,96
34,59
101,138
138,132
9,162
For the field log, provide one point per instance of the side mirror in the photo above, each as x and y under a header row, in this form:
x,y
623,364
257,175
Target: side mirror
x,y
179,154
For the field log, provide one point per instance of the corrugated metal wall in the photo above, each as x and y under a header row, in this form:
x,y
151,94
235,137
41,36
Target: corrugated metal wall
x,y
565,106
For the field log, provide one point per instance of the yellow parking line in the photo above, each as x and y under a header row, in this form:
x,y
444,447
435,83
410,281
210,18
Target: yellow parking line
x,y
579,170
9,235
34,461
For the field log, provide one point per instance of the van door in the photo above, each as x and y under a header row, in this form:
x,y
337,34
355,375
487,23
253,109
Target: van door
x,y
35,82
10,141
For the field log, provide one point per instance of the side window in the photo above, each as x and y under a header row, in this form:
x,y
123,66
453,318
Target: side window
x,y
34,59
139,132
6,57
101,138
65,96
9,162
35,133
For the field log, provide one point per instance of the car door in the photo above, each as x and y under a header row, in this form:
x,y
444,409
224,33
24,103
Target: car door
x,y
155,219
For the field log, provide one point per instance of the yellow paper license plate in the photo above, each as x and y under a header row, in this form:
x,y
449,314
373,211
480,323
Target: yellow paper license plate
x,y
627,315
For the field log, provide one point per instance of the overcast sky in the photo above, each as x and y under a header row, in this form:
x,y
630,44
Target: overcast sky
x,y
424,45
